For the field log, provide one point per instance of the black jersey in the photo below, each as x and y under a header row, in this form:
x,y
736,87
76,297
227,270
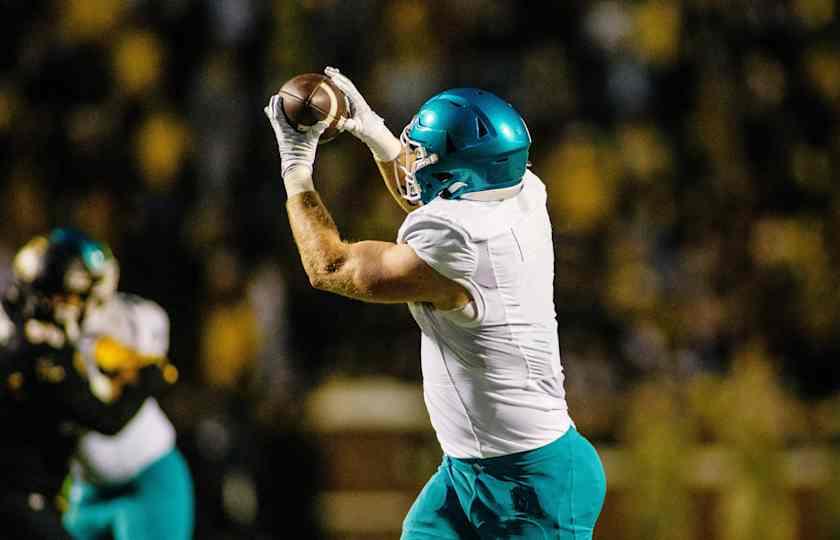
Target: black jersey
x,y
45,404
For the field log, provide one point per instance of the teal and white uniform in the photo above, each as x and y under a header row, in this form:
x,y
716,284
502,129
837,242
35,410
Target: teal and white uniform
x,y
514,466
134,485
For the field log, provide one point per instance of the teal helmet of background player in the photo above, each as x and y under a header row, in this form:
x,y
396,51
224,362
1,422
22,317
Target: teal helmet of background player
x,y
59,277
464,141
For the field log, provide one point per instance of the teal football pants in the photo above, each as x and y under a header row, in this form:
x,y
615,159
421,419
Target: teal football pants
x,y
157,504
552,492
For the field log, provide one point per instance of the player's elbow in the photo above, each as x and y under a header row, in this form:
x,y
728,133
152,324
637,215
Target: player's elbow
x,y
367,283
318,281
324,275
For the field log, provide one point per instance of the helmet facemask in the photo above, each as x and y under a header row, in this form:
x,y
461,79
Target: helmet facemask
x,y
415,158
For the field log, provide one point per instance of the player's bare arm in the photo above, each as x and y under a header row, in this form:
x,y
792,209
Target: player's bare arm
x,y
370,271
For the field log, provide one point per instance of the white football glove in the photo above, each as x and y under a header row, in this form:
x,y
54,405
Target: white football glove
x,y
297,150
365,125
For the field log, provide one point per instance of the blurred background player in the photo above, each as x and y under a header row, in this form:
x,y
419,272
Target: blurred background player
x,y
48,394
475,263
134,485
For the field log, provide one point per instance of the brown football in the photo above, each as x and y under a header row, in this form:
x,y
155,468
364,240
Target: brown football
x,y
310,98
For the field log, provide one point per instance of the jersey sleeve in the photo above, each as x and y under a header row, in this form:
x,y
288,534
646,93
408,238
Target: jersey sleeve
x,y
442,244
152,323
133,321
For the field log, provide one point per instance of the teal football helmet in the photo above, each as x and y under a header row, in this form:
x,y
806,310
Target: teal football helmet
x,y
464,141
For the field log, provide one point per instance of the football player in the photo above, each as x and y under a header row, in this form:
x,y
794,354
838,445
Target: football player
x,y
48,394
134,485
474,261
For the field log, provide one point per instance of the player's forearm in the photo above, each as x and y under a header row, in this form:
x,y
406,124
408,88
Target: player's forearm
x,y
110,416
322,252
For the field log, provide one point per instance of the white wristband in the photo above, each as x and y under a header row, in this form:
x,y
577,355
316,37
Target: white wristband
x,y
383,144
297,180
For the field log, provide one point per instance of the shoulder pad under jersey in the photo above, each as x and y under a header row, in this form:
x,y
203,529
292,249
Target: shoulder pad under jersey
x,y
133,321
484,220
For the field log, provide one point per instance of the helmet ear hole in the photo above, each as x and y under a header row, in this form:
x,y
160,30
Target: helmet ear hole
x,y
450,145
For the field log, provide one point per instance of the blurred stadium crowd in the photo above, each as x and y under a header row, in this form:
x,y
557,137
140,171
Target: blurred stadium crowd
x,y
691,151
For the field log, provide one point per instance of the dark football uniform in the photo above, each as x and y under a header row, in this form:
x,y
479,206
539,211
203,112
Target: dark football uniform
x,y
45,403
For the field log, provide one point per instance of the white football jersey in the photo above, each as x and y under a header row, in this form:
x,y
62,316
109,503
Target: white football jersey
x,y
144,326
7,328
492,378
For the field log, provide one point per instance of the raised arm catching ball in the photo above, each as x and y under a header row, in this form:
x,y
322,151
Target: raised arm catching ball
x,y
474,261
